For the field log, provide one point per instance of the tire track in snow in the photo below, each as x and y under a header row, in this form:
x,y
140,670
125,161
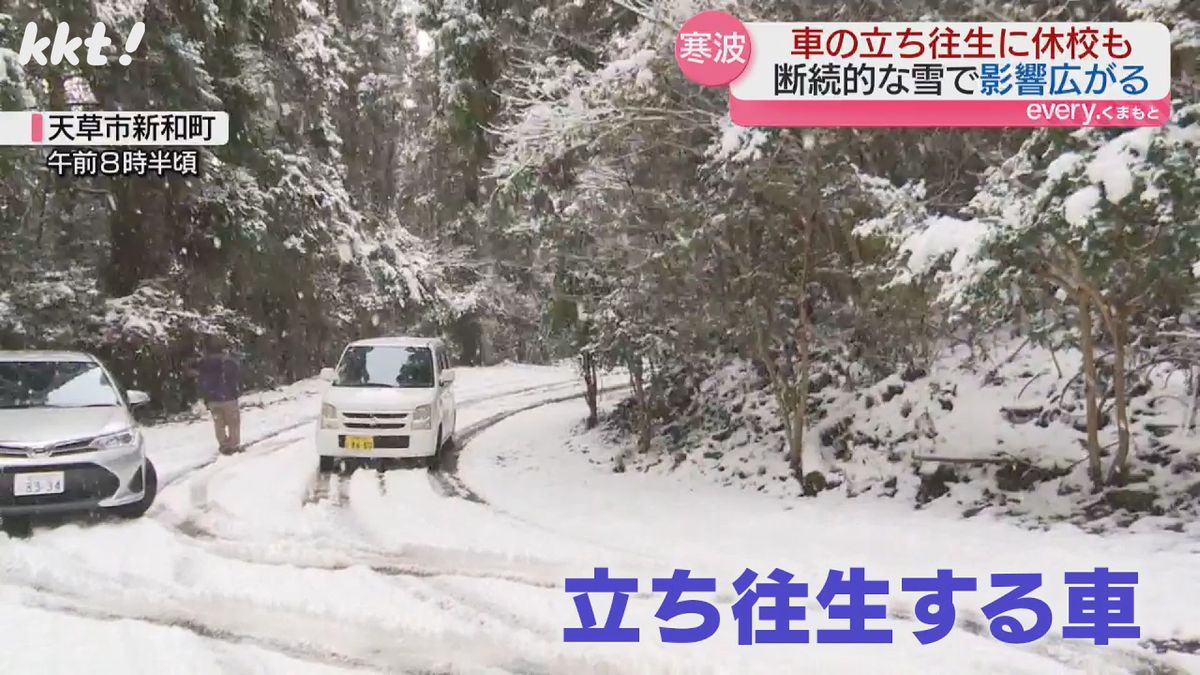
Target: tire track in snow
x,y
51,600
336,484
345,642
409,654
449,480
337,554
327,485
199,486
1068,653
205,472
200,504
447,483
495,609
410,560
518,392
445,478
214,463
361,646
189,472
324,485
332,487
424,562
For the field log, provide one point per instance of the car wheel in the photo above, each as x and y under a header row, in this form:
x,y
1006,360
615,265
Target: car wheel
x,y
435,459
140,507
328,464
17,527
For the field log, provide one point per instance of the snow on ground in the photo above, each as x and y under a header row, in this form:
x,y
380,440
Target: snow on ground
x,y
526,468
231,553
159,649
237,569
182,446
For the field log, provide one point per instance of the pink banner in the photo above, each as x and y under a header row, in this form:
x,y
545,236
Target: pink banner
x,y
949,113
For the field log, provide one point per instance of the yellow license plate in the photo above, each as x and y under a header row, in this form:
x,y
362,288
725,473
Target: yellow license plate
x,y
360,443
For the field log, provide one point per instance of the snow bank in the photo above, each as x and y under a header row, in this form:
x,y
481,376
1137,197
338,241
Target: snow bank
x,y
1011,418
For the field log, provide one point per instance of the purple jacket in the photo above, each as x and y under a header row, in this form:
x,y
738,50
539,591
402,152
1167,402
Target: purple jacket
x,y
220,378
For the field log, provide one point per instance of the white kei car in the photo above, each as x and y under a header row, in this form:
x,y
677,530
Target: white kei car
x,y
390,398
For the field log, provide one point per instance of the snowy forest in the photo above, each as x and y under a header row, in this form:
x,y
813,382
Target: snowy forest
x,y
794,310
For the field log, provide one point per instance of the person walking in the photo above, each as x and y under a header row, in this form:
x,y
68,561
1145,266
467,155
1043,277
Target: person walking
x,y
220,384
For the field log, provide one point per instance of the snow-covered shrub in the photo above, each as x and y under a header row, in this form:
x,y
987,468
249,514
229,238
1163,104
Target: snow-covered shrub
x,y
152,337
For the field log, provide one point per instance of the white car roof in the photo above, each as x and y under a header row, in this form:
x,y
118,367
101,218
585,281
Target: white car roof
x,y
35,355
397,342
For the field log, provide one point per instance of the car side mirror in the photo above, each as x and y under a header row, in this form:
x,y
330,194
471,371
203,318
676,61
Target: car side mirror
x,y
447,377
137,398
328,374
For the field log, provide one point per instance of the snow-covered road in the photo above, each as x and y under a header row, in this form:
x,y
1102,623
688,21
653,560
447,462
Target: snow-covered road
x,y
243,566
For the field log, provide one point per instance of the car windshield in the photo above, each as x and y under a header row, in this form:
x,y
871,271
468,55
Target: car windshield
x,y
396,367
55,384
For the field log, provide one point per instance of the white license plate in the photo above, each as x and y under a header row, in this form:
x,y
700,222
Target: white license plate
x,y
44,483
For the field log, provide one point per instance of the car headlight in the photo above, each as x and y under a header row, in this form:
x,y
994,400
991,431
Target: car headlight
x,y
121,439
422,417
329,416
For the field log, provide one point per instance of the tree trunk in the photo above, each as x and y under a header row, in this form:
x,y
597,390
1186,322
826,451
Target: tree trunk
x,y
780,389
800,412
803,340
1087,346
1194,408
587,361
1117,471
485,342
128,256
643,406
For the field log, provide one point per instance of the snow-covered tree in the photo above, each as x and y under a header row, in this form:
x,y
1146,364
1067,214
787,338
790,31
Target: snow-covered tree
x,y
1107,221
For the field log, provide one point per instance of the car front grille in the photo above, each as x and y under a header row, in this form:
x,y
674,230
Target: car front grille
x,y
374,420
64,448
80,482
